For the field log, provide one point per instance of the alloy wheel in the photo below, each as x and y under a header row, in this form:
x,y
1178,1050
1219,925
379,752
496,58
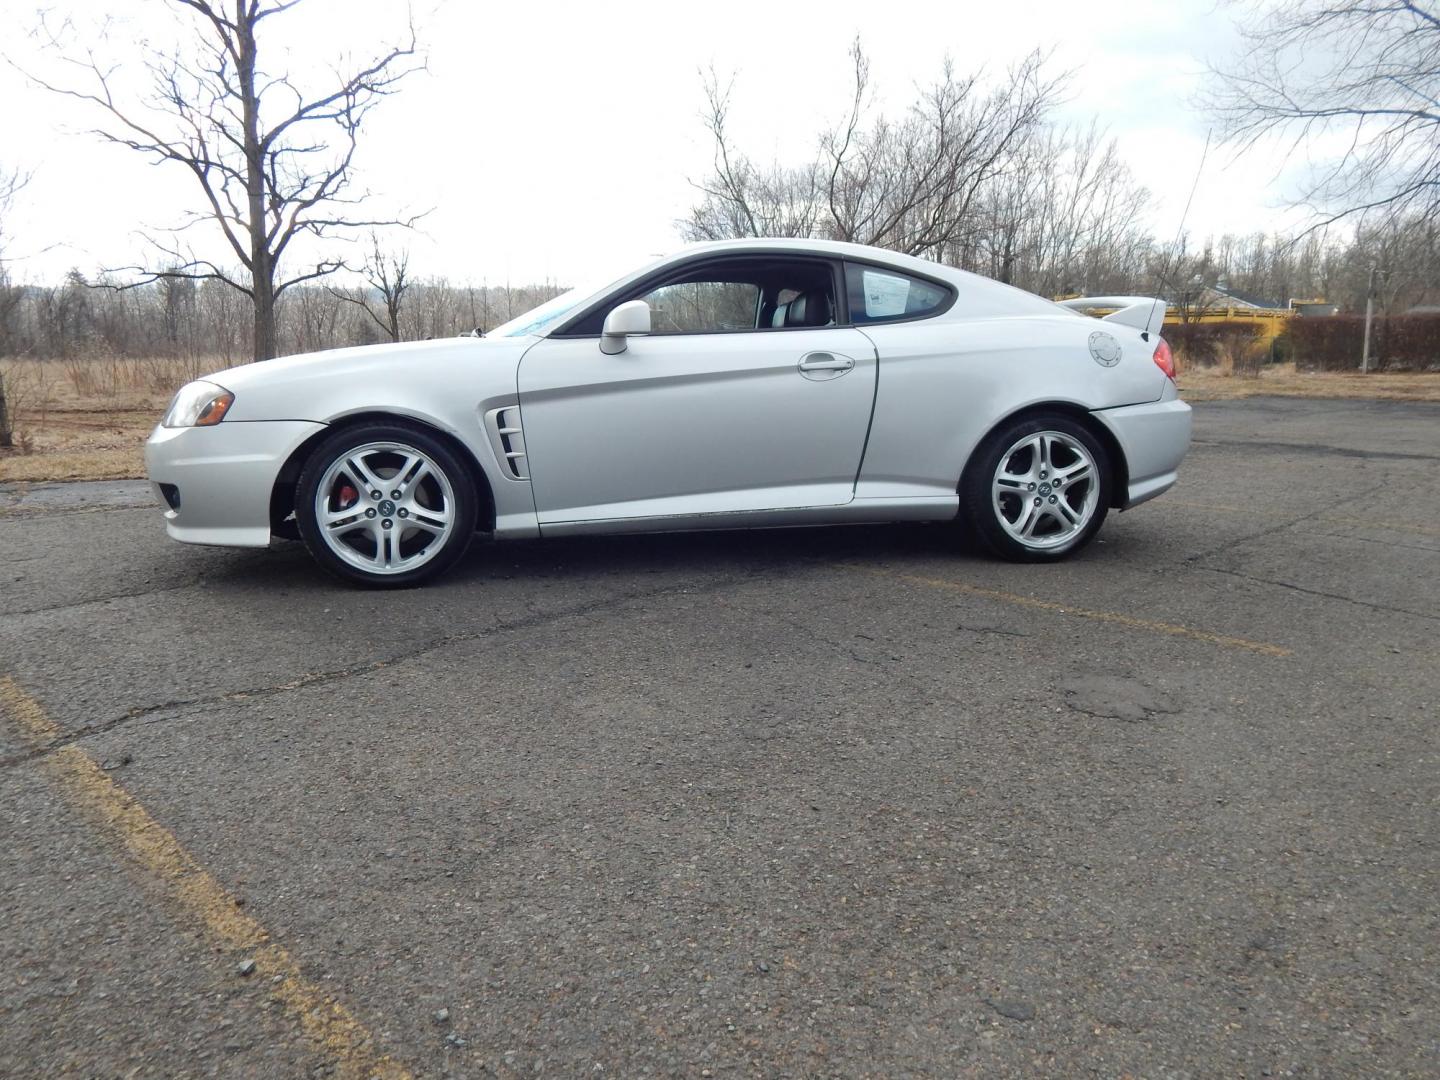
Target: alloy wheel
x,y
385,508
1046,490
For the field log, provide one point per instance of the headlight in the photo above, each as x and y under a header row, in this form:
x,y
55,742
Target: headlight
x,y
199,404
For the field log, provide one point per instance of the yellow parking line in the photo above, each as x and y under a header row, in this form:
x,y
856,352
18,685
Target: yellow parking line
x,y
350,1048
1115,617
1324,519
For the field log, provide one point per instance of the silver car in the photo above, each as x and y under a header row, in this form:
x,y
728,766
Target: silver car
x,y
739,384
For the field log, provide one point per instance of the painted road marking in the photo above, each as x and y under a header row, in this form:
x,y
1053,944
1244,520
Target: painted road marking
x,y
1114,617
351,1049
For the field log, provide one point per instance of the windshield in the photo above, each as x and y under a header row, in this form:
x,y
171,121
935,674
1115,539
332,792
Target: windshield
x,y
539,319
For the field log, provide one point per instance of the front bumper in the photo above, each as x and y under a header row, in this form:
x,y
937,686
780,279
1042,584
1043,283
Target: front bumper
x,y
223,477
1154,438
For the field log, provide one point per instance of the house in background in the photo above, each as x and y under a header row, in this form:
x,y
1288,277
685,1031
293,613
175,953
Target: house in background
x,y
1220,295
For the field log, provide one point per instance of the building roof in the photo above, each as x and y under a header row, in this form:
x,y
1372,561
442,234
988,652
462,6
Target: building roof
x,y
1246,299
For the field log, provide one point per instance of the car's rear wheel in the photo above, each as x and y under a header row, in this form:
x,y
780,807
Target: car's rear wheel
x,y
385,505
1037,489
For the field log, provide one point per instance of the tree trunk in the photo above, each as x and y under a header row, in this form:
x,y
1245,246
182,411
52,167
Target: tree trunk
x,y
262,269
5,440
264,320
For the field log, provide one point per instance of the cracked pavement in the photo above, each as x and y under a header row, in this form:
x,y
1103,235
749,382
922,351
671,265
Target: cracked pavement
x,y
768,803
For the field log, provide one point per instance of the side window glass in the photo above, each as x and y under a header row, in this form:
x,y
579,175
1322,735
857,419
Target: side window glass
x,y
877,295
697,307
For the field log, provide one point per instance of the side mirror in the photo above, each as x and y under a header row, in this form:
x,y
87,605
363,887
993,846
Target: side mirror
x,y
629,318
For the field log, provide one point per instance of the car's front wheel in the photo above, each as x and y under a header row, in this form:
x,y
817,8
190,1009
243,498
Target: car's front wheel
x,y
1037,489
386,505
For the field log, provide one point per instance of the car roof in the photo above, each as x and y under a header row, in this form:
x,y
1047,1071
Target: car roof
x,y
834,248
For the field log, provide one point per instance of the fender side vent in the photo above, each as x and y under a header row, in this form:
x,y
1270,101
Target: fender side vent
x,y
509,439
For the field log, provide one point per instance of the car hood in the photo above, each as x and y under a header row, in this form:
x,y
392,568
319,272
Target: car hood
x,y
304,367
415,378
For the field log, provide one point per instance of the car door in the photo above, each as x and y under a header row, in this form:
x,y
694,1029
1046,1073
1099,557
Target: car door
x,y
711,413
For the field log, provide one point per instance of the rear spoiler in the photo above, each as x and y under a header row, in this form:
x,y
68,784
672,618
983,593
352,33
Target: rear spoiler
x,y
1145,313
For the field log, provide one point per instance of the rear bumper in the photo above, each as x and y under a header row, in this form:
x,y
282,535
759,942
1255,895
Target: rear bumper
x,y
1154,438
220,478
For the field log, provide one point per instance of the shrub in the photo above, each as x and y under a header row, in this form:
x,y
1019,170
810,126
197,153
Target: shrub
x,y
1282,348
1234,346
1398,343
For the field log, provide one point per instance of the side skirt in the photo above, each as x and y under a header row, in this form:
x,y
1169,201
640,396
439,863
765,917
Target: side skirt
x,y
855,512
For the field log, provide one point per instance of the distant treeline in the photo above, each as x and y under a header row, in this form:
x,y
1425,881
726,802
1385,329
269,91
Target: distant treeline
x,y
182,318
176,317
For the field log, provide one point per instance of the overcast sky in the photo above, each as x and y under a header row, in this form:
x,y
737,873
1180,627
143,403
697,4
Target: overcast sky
x,y
553,140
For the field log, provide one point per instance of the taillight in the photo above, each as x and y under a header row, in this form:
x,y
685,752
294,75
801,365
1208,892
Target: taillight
x,y
1163,360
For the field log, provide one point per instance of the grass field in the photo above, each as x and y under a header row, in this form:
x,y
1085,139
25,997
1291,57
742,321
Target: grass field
x,y
88,419
1282,380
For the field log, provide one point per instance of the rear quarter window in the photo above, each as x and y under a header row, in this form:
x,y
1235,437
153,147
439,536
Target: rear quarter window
x,y
878,295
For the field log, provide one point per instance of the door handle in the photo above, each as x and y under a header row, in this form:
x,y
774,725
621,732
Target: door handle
x,y
825,362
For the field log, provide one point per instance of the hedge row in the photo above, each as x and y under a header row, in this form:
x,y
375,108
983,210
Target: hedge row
x,y
1399,343
1235,346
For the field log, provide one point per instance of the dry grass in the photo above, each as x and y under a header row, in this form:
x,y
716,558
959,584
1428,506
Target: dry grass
x,y
1224,383
87,419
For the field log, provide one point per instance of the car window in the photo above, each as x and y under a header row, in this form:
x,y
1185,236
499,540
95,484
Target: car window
x,y
877,295
697,307
727,295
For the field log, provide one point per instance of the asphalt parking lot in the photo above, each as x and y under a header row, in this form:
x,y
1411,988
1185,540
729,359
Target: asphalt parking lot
x,y
810,803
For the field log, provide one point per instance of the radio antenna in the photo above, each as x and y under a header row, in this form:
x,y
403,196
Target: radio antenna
x,y
1184,216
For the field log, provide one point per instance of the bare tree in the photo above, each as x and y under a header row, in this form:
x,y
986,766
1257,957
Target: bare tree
x,y
1066,217
1406,255
11,183
273,163
387,275
743,199
912,184
312,319
1367,70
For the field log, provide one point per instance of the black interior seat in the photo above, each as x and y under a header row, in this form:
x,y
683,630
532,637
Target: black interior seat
x,y
808,309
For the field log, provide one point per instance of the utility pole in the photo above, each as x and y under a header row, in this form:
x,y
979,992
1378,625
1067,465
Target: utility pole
x,y
1369,315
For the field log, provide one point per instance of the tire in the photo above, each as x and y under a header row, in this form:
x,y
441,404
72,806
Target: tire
x,y
419,525
1011,502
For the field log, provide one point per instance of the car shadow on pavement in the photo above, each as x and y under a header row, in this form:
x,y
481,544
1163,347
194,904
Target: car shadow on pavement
x,y
286,565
